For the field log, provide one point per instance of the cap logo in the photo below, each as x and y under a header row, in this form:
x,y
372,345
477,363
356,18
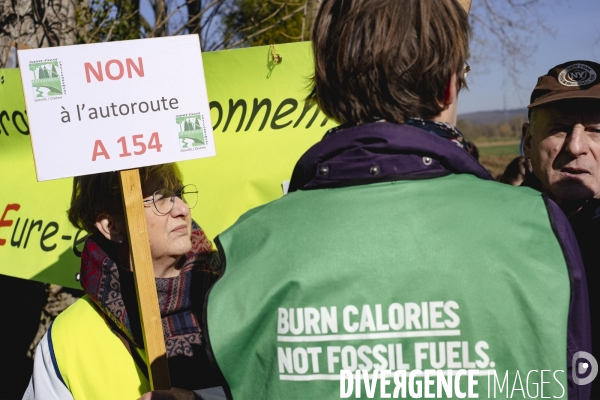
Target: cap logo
x,y
577,75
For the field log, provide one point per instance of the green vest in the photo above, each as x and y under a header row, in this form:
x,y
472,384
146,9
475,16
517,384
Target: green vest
x,y
92,360
439,274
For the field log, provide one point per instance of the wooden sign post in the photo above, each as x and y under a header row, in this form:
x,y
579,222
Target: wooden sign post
x,y
120,106
143,273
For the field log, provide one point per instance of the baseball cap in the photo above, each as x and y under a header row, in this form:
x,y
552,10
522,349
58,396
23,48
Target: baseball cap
x,y
571,80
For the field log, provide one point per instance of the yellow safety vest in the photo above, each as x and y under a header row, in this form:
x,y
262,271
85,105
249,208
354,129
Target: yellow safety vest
x,y
92,360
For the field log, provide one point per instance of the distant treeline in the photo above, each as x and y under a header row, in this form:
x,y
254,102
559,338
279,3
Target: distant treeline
x,y
508,129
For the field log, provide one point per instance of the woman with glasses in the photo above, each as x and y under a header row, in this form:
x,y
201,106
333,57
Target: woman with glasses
x,y
94,350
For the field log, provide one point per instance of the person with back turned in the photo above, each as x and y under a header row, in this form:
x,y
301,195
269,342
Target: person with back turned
x,y
395,250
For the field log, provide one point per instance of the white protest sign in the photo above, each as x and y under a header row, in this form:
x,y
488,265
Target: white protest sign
x,y
113,106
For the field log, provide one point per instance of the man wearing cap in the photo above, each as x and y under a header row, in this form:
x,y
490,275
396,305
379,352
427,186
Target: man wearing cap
x,y
562,140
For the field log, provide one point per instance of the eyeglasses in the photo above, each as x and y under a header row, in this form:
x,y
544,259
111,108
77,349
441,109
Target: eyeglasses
x,y
164,199
466,70
462,80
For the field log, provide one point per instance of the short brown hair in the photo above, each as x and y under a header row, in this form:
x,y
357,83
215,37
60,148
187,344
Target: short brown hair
x,y
389,59
98,194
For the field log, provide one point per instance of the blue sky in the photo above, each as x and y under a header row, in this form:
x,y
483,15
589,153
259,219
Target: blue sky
x,y
577,27
577,37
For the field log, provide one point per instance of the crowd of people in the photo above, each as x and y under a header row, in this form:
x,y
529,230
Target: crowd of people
x,y
390,212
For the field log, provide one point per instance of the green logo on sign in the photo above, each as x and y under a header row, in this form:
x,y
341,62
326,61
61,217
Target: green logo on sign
x,y
46,79
191,133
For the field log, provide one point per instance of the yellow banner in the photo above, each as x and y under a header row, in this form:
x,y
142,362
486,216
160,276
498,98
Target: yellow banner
x,y
262,126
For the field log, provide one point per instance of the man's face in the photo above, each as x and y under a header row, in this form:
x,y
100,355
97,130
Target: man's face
x,y
563,143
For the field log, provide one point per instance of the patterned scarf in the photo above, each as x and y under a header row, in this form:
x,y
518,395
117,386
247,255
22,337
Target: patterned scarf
x,y
180,298
441,129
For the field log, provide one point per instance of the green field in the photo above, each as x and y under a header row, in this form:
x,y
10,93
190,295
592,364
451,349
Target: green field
x,y
496,154
499,150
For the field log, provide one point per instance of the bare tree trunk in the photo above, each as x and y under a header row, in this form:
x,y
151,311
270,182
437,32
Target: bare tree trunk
x,y
160,26
34,24
194,8
312,6
58,301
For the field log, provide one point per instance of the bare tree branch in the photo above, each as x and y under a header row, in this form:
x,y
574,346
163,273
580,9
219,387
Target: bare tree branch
x,y
505,32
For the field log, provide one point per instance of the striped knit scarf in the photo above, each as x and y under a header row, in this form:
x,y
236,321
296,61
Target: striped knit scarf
x,y
112,289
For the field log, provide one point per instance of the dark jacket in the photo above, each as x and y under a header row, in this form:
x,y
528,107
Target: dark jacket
x,y
586,225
